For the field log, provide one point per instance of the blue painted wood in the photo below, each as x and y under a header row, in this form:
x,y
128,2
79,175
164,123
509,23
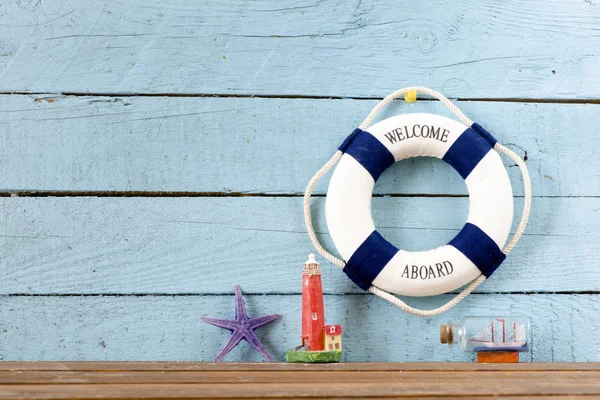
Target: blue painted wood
x,y
262,145
169,328
187,252
534,49
204,245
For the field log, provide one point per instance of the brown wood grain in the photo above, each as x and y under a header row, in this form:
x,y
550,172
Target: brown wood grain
x,y
156,380
308,377
446,388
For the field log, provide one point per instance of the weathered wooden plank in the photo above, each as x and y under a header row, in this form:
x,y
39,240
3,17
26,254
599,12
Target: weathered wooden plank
x,y
121,328
186,391
283,377
206,245
262,145
276,376
535,49
494,387
242,380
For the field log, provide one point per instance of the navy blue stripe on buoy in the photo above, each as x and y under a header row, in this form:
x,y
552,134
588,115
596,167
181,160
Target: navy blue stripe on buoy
x,y
478,247
368,151
467,151
348,141
369,259
485,134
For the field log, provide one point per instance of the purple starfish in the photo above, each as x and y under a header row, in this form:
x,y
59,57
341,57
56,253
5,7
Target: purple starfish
x,y
241,328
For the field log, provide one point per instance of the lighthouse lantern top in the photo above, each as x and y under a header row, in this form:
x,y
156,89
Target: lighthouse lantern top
x,y
311,266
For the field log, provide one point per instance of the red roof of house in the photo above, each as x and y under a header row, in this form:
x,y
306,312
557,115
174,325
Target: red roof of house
x,y
333,329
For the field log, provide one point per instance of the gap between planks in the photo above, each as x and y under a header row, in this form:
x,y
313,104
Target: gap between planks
x,y
191,294
140,193
298,96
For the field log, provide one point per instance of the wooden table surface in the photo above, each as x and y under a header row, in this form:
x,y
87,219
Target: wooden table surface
x,y
86,380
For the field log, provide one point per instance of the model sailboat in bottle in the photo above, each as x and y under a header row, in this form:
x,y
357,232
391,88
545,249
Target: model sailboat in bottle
x,y
495,337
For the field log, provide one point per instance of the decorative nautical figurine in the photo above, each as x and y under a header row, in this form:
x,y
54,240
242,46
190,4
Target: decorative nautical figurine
x,y
320,343
376,265
494,339
242,327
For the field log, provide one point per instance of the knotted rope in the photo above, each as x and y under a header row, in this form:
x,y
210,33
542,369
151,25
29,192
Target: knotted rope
x,y
336,157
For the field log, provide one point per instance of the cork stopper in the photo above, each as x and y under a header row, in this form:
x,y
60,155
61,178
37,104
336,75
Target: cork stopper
x,y
446,334
311,266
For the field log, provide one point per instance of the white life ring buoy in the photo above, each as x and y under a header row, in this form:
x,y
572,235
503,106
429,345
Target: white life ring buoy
x,y
372,260
476,251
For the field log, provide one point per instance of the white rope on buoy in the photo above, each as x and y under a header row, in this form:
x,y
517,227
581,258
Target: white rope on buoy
x,y
336,157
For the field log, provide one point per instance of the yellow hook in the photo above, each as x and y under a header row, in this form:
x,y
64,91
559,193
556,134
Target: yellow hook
x,y
410,96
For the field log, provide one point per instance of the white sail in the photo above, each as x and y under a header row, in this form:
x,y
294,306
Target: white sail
x,y
484,336
520,335
516,337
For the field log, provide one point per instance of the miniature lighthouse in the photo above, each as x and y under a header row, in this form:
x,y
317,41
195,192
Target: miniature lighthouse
x,y
320,343
313,313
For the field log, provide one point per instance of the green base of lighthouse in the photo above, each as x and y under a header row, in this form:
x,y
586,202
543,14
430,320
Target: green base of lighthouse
x,y
298,355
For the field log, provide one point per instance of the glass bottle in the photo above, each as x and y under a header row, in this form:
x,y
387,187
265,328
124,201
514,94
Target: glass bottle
x,y
488,334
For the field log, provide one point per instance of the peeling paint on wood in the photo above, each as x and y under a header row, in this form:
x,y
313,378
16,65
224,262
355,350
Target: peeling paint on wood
x,y
195,245
268,146
359,48
127,276
169,328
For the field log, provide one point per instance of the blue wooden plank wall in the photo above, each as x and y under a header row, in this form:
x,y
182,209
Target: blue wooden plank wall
x,y
153,154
